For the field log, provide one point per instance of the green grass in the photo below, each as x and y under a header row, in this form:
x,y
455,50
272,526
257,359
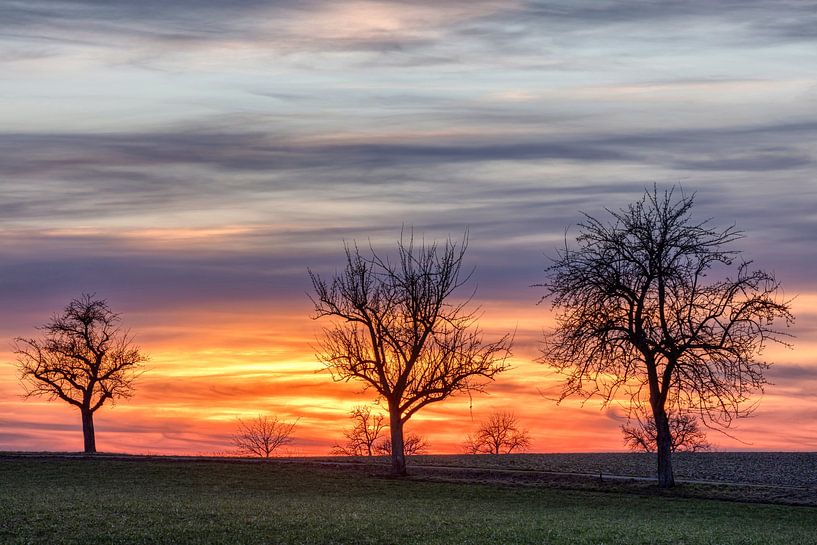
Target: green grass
x,y
140,502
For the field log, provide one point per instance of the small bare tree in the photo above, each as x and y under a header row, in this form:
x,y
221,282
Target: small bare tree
x,y
366,429
413,444
397,330
637,312
262,436
83,358
685,430
499,434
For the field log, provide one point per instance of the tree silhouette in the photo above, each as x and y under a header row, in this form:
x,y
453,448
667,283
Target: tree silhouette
x,y
83,358
397,330
685,432
366,429
413,444
637,313
262,436
499,434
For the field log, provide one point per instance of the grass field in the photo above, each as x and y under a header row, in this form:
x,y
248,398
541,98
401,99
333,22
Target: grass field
x,y
102,501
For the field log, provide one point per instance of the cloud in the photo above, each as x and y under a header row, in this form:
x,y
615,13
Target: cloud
x,y
233,151
804,376
60,155
399,33
517,191
750,163
785,20
189,160
154,29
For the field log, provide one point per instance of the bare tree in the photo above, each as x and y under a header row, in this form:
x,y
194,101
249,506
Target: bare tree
x,y
397,330
499,434
83,358
637,313
366,429
262,436
685,432
413,444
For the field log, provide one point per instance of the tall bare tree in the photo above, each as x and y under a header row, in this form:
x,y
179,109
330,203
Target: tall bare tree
x,y
413,444
685,432
262,435
500,433
397,329
638,313
361,438
83,358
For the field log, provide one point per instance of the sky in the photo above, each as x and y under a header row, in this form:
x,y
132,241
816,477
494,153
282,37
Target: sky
x,y
188,161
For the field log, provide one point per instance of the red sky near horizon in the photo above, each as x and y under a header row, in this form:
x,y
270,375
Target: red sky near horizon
x,y
190,165
209,367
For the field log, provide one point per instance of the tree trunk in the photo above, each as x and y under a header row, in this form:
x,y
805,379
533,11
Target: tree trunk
x,y
663,441
88,431
398,457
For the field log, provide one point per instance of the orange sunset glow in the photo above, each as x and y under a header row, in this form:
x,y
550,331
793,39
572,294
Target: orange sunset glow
x,y
209,366
192,177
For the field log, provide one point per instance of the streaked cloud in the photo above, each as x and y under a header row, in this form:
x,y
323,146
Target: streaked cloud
x,y
189,160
